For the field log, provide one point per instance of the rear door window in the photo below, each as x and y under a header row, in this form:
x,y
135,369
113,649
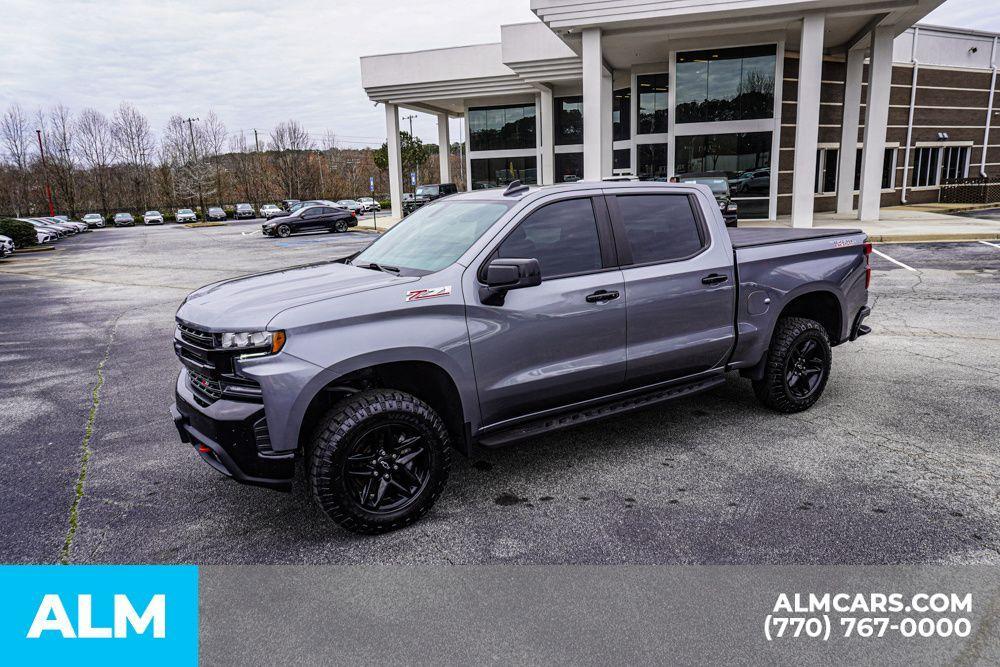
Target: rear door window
x,y
562,236
660,228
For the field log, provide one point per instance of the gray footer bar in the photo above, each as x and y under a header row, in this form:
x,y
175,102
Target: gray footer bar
x,y
678,615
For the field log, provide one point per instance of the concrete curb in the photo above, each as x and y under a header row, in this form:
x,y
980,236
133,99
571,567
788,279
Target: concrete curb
x,y
957,237
42,248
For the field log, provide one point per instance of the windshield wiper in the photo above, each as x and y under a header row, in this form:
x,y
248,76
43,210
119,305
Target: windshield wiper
x,y
378,267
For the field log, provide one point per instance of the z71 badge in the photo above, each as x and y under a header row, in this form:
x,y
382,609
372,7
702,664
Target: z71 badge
x,y
432,293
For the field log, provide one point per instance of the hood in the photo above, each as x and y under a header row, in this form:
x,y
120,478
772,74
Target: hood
x,y
249,303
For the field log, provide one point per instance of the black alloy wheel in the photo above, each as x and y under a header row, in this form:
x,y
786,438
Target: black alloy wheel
x,y
378,461
340,226
805,368
797,367
387,467
284,231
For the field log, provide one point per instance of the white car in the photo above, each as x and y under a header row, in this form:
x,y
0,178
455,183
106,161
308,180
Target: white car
x,y
152,218
186,215
351,205
93,220
369,204
268,211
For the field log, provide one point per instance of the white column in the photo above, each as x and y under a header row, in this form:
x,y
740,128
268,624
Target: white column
x,y
395,161
607,125
444,147
807,120
876,119
593,86
849,131
546,119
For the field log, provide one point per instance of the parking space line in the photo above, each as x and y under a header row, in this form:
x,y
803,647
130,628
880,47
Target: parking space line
x,y
995,245
894,261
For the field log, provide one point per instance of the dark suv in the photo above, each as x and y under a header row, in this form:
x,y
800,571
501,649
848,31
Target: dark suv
x,y
428,193
719,185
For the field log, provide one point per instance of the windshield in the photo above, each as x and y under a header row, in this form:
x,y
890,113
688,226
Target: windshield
x,y
434,236
719,186
185,211
152,212
427,190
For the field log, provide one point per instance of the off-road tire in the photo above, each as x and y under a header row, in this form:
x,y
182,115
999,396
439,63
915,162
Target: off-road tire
x,y
773,389
339,430
283,231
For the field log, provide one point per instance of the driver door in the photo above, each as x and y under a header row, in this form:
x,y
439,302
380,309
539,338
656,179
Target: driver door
x,y
559,342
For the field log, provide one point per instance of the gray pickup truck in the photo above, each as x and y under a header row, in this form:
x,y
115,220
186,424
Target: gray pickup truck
x,y
491,317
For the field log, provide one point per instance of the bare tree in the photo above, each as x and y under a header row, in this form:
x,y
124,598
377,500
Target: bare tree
x,y
15,132
95,143
292,145
135,145
60,141
214,132
185,147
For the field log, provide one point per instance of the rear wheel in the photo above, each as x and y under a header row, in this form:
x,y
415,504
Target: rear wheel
x,y
340,226
797,367
284,231
379,461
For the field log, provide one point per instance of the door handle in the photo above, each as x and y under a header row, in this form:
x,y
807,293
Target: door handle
x,y
602,295
714,279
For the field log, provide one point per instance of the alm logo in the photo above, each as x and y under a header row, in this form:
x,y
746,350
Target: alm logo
x,y
51,617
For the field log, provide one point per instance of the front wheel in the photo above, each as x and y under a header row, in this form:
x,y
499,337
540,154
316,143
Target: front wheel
x,y
798,366
379,461
284,231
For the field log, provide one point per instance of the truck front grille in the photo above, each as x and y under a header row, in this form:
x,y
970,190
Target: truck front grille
x,y
196,337
205,387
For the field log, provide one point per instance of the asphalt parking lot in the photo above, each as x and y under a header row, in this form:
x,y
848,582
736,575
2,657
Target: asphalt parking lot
x,y
897,464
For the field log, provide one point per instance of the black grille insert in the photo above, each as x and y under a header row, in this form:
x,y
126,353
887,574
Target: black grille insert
x,y
205,386
196,337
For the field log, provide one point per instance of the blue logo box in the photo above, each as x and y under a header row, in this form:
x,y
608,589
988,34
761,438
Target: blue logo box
x,y
100,614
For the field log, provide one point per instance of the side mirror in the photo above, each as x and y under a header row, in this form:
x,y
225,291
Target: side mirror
x,y
503,275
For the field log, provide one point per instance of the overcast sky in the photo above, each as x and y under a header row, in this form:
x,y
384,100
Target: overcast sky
x,y
255,62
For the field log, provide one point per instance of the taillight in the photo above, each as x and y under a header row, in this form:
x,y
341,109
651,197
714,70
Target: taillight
x,y
868,265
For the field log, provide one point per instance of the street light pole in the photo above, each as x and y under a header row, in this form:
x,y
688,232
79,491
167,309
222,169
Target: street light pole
x,y
194,153
45,170
410,118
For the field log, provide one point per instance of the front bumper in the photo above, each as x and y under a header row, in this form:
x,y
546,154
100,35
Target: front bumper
x,y
231,436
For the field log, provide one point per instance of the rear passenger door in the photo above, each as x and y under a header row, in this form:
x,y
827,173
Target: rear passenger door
x,y
679,284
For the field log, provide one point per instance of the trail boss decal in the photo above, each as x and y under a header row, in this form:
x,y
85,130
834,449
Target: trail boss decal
x,y
843,243
432,293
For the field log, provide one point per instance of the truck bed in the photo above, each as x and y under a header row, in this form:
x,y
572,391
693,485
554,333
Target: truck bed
x,y
749,237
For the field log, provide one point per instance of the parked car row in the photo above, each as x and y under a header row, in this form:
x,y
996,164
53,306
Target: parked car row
x,y
47,230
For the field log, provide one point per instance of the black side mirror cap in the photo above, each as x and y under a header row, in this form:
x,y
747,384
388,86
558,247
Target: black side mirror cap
x,y
503,275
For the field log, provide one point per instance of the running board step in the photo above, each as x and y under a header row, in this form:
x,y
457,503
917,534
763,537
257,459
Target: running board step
x,y
592,413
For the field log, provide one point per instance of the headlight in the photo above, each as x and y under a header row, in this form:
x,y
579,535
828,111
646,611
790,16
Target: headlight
x,y
273,341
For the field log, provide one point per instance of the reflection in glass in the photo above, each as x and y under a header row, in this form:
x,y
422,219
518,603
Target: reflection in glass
x,y
653,103
569,121
651,161
569,167
621,116
502,128
726,84
745,159
498,172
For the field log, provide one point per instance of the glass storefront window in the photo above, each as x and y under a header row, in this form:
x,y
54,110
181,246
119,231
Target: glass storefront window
x,y
621,114
622,159
651,161
653,103
498,172
569,121
726,84
740,156
569,167
502,128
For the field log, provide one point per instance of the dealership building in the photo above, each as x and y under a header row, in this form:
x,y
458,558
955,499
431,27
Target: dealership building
x,y
807,106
